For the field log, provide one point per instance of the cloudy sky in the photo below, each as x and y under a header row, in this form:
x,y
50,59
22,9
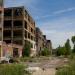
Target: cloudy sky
x,y
56,18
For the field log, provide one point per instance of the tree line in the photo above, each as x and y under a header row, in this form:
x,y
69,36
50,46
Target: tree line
x,y
66,49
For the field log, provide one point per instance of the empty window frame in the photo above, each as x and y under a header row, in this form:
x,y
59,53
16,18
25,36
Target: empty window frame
x,y
25,34
25,25
18,12
18,23
8,12
29,35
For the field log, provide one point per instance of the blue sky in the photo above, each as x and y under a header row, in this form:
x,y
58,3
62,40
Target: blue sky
x,y
56,18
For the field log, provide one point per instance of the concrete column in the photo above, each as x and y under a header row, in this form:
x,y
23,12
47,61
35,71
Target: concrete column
x,y
2,16
12,27
23,27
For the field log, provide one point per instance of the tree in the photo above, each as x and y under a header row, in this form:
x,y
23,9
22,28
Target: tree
x,y
73,49
73,41
65,50
60,51
45,52
67,47
26,50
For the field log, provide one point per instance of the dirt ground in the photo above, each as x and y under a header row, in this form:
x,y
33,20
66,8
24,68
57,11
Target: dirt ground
x,y
50,71
47,67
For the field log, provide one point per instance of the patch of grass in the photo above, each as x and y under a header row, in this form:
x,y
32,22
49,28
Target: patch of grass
x,y
69,69
13,69
34,59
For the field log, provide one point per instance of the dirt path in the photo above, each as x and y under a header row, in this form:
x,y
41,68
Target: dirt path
x,y
45,72
47,67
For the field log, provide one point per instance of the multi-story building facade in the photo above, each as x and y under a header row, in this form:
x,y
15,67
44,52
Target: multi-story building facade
x,y
19,27
7,49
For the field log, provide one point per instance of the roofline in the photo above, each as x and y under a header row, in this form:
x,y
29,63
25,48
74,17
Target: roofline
x,y
20,7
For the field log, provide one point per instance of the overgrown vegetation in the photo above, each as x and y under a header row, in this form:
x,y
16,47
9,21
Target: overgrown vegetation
x,y
13,69
65,50
68,69
26,50
73,40
45,52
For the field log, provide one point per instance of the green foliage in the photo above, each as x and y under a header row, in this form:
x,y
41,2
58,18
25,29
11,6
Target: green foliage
x,y
64,71
26,50
73,49
45,52
73,39
13,69
60,51
67,47
69,69
65,50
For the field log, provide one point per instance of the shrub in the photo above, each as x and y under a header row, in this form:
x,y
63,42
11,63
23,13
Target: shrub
x,y
26,50
45,52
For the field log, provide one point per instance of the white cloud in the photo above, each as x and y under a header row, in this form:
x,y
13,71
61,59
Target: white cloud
x,y
59,30
59,38
63,11
57,13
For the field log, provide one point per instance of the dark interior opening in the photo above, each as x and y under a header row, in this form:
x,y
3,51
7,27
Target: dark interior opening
x,y
25,24
19,42
7,24
7,33
7,41
18,33
17,23
15,52
18,12
7,12
25,34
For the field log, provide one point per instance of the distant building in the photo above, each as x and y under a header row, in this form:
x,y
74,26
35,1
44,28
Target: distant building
x,y
49,45
42,42
39,40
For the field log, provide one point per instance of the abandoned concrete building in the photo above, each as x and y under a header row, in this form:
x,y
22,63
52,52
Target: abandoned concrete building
x,y
42,42
19,27
49,45
39,40
16,28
